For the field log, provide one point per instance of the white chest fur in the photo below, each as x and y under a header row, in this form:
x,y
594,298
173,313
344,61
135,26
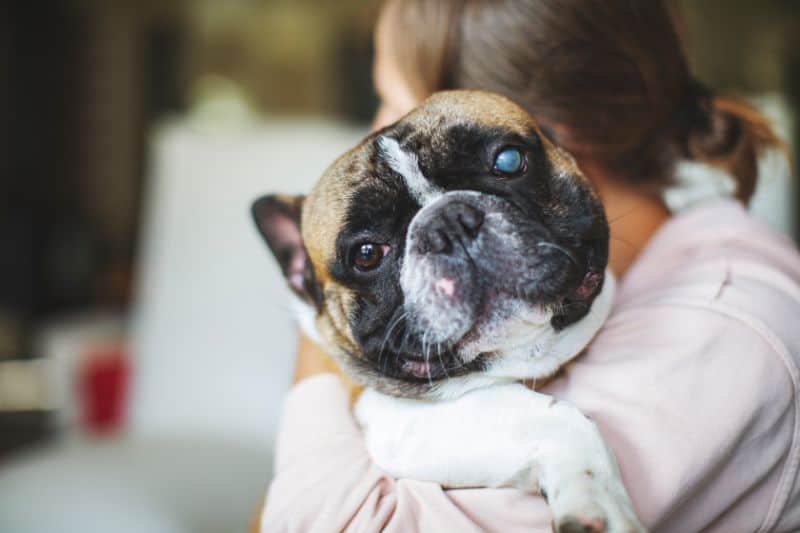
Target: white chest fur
x,y
502,436
491,431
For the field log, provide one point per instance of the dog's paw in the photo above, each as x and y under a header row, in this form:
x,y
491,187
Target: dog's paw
x,y
577,525
573,524
592,508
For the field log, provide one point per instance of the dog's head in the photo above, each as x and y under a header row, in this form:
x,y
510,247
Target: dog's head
x,y
456,244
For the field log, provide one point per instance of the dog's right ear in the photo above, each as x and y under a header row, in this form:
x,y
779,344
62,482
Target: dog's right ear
x,y
278,219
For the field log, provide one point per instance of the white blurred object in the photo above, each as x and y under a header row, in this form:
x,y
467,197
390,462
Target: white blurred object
x,y
23,386
213,337
220,107
187,484
697,182
65,342
775,198
212,341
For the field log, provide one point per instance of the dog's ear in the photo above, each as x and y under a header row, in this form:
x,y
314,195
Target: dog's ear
x,y
278,219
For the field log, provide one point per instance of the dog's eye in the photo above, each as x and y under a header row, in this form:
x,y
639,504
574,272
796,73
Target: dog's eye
x,y
509,161
368,256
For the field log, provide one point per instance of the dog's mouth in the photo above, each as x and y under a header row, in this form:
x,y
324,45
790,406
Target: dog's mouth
x,y
435,366
431,366
419,361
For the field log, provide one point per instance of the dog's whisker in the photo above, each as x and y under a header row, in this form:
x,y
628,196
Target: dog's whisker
x,y
389,330
385,361
404,341
441,362
426,356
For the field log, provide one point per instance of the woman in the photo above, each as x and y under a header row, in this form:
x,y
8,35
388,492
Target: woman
x,y
694,380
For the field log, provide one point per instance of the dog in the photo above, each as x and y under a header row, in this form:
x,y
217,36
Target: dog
x,y
440,262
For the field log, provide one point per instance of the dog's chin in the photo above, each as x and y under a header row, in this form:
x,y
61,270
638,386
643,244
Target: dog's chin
x,y
435,364
504,323
412,376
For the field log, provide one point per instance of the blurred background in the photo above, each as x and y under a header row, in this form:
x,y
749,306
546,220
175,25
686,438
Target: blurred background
x,y
145,345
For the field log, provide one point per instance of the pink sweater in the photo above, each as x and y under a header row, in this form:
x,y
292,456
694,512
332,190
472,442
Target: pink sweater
x,y
693,381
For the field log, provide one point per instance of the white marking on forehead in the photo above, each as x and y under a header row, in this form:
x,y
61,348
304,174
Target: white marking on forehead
x,y
406,164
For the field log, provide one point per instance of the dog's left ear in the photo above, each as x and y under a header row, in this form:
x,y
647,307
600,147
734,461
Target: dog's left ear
x,y
278,219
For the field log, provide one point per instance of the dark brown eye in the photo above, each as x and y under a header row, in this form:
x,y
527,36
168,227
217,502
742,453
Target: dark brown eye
x,y
368,256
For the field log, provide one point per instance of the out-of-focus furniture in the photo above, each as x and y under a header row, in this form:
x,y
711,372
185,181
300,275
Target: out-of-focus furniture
x,y
211,342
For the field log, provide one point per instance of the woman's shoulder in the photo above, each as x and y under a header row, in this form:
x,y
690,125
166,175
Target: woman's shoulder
x,y
710,245
714,290
716,266
710,309
698,363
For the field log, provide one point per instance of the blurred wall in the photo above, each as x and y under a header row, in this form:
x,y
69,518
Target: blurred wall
x,y
752,48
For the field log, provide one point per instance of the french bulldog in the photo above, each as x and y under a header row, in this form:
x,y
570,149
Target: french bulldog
x,y
440,262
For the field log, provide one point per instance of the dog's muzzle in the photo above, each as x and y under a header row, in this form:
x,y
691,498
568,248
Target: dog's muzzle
x,y
469,256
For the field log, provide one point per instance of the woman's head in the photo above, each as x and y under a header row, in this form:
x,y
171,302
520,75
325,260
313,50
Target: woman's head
x,y
608,79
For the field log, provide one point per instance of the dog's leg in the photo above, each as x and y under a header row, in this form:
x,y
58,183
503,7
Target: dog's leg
x,y
504,435
578,475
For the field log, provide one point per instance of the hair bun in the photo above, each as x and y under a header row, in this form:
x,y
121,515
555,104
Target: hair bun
x,y
712,133
728,134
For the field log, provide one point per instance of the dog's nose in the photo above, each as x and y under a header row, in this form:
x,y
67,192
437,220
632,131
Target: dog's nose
x,y
456,222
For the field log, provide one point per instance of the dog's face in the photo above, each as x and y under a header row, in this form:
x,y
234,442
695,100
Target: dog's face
x,y
444,246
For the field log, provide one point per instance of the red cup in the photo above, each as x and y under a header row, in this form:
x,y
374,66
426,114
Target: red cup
x,y
103,389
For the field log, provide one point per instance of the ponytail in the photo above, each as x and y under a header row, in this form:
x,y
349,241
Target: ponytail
x,y
731,135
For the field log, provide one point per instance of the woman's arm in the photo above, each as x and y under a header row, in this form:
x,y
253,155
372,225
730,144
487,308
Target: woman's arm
x,y
699,413
325,480
311,360
696,402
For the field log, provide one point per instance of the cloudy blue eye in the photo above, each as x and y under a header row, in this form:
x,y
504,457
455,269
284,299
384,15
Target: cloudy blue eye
x,y
509,161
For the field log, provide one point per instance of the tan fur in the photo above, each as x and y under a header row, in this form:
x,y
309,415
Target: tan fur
x,y
475,107
335,325
323,216
326,205
353,389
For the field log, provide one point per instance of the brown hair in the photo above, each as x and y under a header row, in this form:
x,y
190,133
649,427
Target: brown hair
x,y
609,77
